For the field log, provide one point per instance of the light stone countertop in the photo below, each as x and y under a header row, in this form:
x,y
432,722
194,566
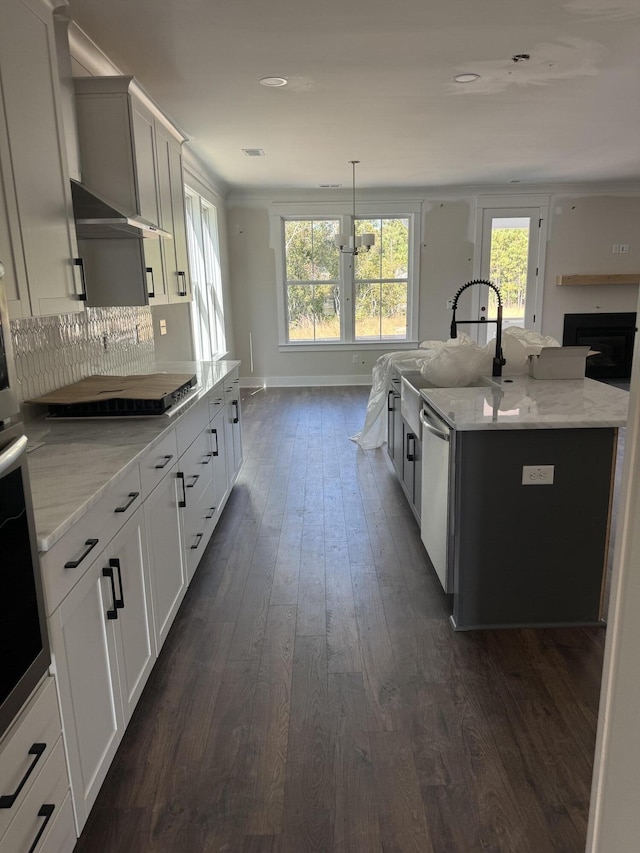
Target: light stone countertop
x,y
75,462
520,402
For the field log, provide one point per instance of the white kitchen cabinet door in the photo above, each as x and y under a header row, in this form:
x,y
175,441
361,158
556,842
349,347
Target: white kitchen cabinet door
x,y
83,646
164,539
41,222
128,562
171,187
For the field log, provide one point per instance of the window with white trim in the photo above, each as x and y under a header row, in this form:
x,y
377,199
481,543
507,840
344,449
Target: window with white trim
x,y
207,310
333,298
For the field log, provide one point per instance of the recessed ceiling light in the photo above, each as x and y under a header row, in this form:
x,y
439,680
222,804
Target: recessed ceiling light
x,y
274,82
466,78
253,152
514,182
329,186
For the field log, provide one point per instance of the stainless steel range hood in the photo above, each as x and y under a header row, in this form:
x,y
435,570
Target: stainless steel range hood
x,y
97,218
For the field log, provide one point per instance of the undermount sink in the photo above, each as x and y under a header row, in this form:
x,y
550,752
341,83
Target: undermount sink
x,y
411,401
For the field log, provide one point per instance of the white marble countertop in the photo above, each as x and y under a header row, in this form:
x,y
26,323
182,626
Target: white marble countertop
x,y
520,402
74,462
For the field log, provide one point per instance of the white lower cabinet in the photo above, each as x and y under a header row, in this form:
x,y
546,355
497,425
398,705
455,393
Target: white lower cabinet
x,y
164,537
101,645
115,588
35,805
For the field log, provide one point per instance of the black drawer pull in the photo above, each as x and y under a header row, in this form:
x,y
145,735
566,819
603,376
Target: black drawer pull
x,y
198,541
164,464
132,496
411,457
195,478
46,811
107,572
212,512
208,459
237,417
7,800
390,395
183,500
73,564
216,452
114,562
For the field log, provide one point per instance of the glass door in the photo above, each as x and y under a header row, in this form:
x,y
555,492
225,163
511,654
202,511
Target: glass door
x,y
510,258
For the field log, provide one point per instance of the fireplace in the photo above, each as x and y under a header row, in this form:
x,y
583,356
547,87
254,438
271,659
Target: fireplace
x,y
611,335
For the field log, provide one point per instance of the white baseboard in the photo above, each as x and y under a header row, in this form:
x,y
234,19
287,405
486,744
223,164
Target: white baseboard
x,y
303,381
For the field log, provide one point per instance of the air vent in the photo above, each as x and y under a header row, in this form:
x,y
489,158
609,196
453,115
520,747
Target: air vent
x,y
329,186
253,152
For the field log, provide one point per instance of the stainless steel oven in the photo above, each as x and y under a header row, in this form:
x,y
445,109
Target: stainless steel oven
x,y
24,647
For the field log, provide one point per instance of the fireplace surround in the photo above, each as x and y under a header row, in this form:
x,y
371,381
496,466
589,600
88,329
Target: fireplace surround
x,y
611,335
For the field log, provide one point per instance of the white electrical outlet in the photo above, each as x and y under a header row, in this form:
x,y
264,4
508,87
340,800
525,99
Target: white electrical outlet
x,y
615,248
624,248
355,359
537,475
163,327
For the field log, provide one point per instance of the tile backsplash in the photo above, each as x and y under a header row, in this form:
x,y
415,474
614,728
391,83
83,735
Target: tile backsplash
x,y
54,351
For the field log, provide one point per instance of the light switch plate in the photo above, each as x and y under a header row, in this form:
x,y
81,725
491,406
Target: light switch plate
x,y
537,475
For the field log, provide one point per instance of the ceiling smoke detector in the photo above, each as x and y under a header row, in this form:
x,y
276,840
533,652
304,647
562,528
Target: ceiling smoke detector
x,y
253,152
521,57
273,82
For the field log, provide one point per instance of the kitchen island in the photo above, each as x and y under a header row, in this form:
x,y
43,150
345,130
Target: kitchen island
x,y
517,489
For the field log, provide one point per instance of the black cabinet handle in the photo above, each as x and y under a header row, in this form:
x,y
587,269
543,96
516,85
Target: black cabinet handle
x,y
194,478
107,572
183,501
390,408
46,811
7,800
152,291
212,512
237,417
216,452
114,562
164,464
411,457
73,564
182,275
198,541
79,262
208,459
132,496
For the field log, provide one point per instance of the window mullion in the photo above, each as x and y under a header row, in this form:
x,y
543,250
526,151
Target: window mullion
x,y
348,287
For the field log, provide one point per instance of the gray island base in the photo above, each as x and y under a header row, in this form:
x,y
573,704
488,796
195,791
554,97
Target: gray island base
x,y
531,555
516,494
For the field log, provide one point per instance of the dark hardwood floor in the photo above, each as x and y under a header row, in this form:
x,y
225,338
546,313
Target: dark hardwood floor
x,y
311,695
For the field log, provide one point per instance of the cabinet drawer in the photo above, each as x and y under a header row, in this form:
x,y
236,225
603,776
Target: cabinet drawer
x,y
27,749
231,385
35,817
191,425
65,563
157,463
62,837
216,400
195,467
199,522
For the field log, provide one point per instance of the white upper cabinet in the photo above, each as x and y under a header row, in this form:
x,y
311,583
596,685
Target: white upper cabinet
x,y
37,238
123,151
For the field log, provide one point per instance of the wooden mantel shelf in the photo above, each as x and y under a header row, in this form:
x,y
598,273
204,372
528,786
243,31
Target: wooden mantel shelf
x,y
598,279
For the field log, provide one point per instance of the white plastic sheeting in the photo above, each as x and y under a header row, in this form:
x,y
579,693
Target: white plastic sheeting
x,y
447,364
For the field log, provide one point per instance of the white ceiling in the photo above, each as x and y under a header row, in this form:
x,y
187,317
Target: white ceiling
x,y
372,81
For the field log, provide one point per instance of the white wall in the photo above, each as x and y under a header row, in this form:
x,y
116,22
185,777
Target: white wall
x,y
581,232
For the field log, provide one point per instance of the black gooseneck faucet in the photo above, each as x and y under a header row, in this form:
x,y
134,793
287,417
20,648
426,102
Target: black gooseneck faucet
x,y
498,359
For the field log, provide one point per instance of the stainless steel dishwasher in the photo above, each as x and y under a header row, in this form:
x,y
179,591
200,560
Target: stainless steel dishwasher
x,y
435,527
